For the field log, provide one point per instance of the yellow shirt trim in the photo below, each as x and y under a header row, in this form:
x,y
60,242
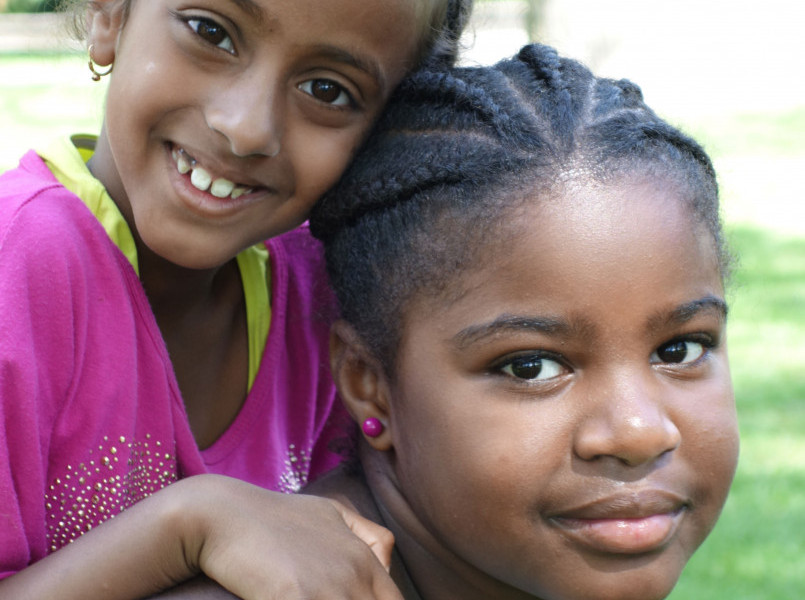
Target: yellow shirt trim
x,y
67,157
255,274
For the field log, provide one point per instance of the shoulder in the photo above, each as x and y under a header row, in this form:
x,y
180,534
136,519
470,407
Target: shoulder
x,y
33,202
54,254
42,218
298,271
21,185
347,485
298,248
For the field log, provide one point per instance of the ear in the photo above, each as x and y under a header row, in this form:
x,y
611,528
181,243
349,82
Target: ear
x,y
361,381
104,23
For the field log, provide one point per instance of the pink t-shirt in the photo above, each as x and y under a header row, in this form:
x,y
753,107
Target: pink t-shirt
x,y
91,418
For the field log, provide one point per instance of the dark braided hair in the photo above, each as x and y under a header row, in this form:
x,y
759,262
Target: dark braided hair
x,y
459,147
443,48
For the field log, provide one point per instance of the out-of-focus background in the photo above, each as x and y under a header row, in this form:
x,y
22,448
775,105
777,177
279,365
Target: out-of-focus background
x,y
729,72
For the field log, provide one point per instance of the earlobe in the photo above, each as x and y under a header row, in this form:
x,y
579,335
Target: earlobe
x,y
361,383
104,23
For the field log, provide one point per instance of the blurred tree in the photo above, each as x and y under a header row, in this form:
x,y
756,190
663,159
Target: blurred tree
x,y
31,6
535,19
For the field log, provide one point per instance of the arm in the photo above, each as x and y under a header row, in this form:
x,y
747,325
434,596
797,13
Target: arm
x,y
260,545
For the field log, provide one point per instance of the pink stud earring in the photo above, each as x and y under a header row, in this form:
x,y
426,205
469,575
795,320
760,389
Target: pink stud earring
x,y
372,427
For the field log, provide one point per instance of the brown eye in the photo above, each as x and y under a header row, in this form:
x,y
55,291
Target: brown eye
x,y
327,91
211,32
679,352
526,368
532,367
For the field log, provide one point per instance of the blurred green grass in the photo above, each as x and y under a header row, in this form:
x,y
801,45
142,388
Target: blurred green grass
x,y
757,551
43,96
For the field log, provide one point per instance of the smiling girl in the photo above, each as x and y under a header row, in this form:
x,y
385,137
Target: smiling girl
x,y
531,271
163,314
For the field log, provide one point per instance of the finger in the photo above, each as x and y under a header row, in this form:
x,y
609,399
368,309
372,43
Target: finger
x,y
379,539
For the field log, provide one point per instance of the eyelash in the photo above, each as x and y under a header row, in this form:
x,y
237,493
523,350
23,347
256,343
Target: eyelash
x,y
196,23
510,363
350,100
706,341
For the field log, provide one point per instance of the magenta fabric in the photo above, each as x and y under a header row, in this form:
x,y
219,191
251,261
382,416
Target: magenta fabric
x,y
91,417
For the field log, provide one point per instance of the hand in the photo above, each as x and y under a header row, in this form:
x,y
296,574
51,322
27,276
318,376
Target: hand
x,y
263,545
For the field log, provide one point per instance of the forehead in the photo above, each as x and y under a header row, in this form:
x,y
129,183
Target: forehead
x,y
588,249
375,20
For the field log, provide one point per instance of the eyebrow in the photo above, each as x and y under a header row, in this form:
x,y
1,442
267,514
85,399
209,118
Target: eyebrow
x,y
510,323
580,328
251,8
364,63
685,312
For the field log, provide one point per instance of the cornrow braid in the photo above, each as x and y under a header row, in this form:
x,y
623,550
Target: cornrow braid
x,y
443,113
459,147
445,47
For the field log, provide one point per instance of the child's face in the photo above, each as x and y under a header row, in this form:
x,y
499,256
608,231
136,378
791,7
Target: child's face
x,y
566,425
273,96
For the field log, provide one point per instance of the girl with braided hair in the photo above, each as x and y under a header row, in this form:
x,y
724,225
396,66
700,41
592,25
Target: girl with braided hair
x,y
164,314
530,268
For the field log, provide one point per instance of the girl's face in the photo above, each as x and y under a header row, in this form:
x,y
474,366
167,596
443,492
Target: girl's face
x,y
566,426
227,119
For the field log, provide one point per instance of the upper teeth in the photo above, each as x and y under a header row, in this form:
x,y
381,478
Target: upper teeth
x,y
202,180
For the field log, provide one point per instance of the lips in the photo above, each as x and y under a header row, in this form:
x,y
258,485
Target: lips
x,y
627,523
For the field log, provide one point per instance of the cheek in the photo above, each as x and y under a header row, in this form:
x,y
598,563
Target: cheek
x,y
711,446
450,448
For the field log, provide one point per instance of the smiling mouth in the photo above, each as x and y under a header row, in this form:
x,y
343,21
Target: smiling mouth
x,y
203,180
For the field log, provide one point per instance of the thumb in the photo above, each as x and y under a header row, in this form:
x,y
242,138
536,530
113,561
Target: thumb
x,y
379,539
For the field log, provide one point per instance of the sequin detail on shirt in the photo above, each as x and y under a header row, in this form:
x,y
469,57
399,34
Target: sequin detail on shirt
x,y
115,476
297,470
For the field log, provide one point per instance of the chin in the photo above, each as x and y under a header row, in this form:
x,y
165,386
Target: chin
x,y
647,581
642,585
189,257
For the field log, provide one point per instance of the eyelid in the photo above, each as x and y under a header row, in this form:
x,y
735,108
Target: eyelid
x,y
498,365
707,341
351,102
188,18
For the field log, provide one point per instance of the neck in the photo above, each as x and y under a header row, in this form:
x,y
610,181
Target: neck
x,y
172,288
169,286
425,569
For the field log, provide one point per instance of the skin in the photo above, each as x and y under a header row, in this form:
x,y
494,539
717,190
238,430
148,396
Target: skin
x,y
275,96
565,428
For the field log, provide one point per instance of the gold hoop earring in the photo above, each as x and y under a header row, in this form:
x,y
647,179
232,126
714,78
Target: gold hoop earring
x,y
96,75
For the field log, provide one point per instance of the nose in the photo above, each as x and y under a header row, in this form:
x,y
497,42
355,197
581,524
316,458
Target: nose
x,y
249,113
628,421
